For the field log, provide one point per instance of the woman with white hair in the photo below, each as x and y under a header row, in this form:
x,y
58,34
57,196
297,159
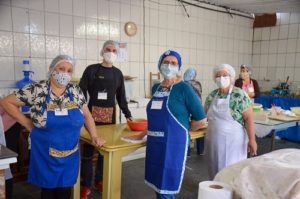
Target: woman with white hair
x,y
245,82
58,110
230,120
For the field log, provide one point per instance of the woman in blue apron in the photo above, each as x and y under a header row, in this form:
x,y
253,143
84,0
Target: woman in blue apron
x,y
57,112
168,112
230,119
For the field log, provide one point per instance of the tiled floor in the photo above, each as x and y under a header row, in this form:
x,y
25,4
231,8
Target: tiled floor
x,y
133,186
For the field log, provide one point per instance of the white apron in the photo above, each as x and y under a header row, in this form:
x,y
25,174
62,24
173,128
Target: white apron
x,y
226,140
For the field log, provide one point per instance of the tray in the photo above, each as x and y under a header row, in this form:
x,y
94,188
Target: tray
x,y
284,118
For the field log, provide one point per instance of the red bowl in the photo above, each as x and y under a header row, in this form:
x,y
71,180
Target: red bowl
x,y
137,124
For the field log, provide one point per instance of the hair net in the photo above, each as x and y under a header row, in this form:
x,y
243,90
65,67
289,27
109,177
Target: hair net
x,y
190,74
109,42
170,53
59,59
226,67
248,67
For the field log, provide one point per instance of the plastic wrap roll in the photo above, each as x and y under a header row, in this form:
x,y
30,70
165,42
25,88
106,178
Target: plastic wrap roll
x,y
213,189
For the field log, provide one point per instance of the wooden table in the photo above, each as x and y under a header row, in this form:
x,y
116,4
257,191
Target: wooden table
x,y
113,151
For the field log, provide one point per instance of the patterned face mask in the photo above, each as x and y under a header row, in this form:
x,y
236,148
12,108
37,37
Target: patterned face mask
x,y
61,78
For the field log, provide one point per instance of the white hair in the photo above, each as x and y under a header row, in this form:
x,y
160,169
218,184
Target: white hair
x,y
226,67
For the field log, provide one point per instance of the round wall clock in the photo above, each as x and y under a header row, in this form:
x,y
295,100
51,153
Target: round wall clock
x,y
130,28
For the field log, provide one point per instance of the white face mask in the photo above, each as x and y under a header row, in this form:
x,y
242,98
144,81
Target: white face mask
x,y
110,57
223,82
169,71
61,78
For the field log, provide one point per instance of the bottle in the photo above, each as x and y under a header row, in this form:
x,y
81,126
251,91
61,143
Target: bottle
x,y
26,80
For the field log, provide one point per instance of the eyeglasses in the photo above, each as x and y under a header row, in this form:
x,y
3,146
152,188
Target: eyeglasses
x,y
174,63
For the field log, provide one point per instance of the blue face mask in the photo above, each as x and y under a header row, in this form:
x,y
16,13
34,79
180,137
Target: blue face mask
x,y
169,71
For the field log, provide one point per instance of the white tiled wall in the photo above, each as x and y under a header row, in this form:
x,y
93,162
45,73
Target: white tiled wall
x,y
205,39
42,29
276,52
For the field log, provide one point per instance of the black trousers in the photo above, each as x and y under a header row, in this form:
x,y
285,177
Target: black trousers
x,y
87,166
56,193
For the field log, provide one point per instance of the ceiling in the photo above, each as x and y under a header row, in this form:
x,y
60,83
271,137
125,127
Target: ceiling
x,y
259,6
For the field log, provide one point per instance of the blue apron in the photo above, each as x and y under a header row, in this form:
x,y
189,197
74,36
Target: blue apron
x,y
166,150
54,155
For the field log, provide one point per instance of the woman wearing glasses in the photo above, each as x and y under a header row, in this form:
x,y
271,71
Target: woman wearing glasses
x,y
169,111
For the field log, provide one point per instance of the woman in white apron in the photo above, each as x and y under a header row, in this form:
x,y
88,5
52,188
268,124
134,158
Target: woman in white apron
x,y
230,120
245,82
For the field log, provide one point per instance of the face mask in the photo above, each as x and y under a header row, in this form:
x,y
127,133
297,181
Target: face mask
x,y
61,78
110,57
169,71
223,82
244,75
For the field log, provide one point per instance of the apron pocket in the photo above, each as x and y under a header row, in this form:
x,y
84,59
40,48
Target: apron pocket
x,y
102,114
61,154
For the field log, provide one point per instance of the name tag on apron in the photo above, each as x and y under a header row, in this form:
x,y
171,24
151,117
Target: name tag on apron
x,y
251,90
156,105
102,95
61,112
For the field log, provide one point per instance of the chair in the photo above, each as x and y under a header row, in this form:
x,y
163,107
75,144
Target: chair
x,y
154,78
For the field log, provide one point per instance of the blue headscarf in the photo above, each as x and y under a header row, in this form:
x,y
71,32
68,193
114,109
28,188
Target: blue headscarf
x,y
189,74
170,53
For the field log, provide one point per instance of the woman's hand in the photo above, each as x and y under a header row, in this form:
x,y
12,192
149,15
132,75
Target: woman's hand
x,y
252,147
28,125
251,94
97,141
11,105
90,126
249,125
129,119
195,125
